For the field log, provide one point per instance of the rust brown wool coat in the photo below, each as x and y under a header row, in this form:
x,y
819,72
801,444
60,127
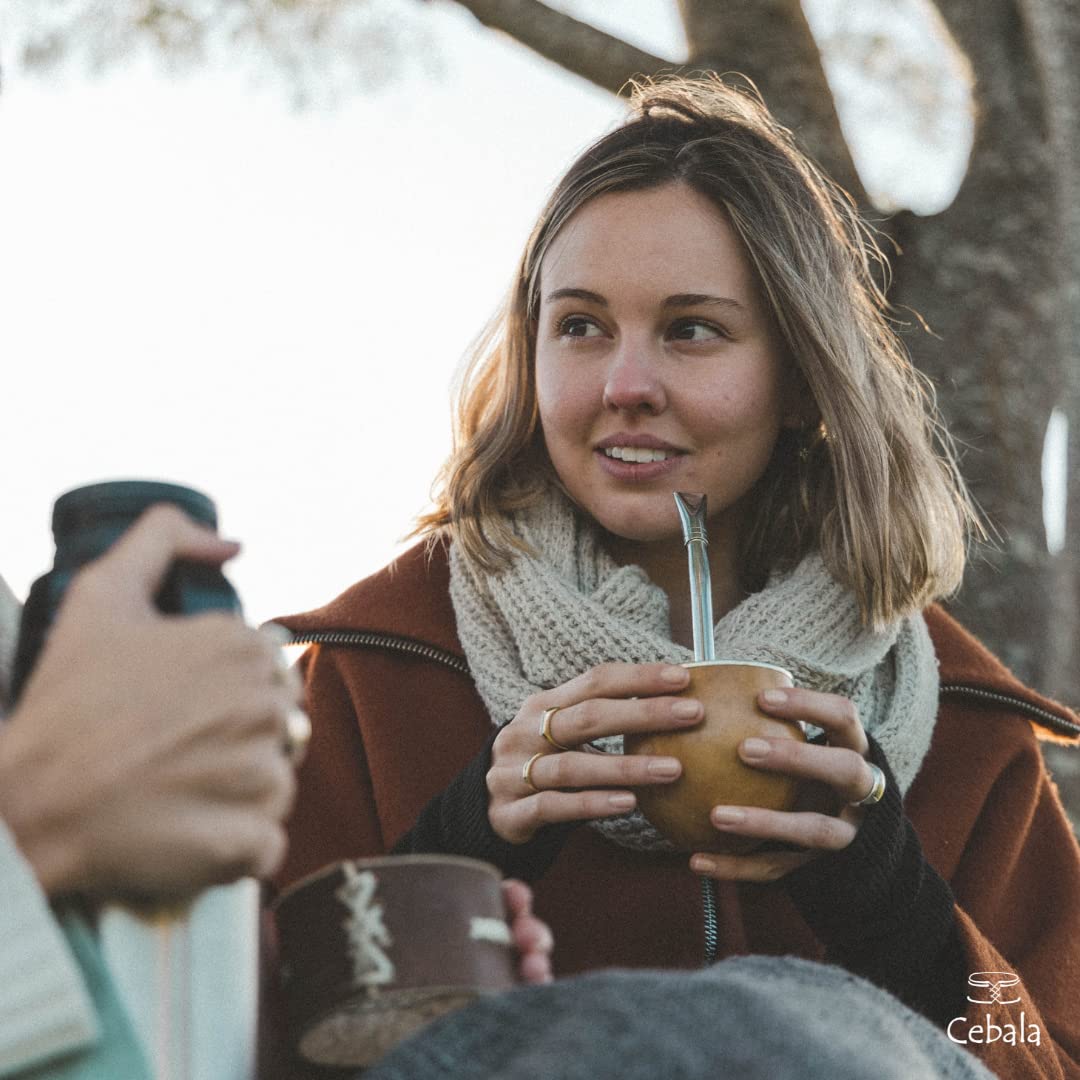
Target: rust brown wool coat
x,y
391,730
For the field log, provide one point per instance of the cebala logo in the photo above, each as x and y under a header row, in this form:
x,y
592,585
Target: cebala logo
x,y
994,988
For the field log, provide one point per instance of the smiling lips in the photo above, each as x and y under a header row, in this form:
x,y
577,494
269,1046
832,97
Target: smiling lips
x,y
638,453
639,457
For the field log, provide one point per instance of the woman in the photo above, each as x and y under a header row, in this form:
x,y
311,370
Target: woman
x,y
696,310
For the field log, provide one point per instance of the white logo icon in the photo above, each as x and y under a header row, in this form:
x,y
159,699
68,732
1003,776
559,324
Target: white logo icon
x,y
993,988
367,933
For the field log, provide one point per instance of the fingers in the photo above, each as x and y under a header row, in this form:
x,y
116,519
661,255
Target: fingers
x,y
575,769
136,564
518,808
840,766
532,936
608,699
575,725
242,844
618,680
834,714
770,866
517,820
820,832
844,771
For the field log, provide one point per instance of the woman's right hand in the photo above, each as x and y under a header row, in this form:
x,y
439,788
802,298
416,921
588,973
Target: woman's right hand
x,y
577,783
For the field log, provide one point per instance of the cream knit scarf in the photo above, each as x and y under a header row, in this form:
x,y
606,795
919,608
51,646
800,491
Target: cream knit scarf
x,y
549,618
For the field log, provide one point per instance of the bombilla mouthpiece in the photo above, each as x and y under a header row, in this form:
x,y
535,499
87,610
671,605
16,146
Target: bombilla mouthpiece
x,y
692,510
692,515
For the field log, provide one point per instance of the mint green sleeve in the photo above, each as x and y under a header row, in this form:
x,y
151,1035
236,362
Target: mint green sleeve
x,y
45,1008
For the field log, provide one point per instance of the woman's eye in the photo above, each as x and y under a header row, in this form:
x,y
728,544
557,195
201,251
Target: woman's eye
x,y
695,330
577,326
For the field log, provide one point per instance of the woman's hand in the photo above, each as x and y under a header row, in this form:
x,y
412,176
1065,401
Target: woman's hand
x,y
532,936
827,820
574,783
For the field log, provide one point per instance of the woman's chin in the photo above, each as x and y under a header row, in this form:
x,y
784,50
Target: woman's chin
x,y
636,529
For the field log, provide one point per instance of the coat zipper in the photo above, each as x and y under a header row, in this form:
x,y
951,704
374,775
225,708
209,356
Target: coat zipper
x,y
383,641
456,663
708,904
1047,719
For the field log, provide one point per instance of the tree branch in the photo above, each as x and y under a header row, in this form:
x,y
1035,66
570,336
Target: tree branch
x,y
581,49
770,42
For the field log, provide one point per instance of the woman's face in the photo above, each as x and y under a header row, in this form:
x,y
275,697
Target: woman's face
x,y
657,366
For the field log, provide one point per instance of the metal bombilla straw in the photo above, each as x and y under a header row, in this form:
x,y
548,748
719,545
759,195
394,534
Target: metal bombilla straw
x,y
696,538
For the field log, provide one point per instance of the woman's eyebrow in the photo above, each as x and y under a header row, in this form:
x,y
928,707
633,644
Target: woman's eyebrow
x,y
679,300
576,294
697,299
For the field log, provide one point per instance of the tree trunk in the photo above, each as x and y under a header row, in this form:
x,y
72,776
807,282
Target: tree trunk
x,y
992,277
770,42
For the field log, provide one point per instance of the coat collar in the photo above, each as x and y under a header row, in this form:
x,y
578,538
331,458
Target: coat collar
x,y
410,598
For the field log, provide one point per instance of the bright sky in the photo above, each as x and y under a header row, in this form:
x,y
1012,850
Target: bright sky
x,y
202,284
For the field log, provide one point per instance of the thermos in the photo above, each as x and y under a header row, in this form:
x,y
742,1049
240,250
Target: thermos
x,y
187,977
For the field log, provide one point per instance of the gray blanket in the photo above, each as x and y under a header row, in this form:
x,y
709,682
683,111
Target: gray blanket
x,y
754,1018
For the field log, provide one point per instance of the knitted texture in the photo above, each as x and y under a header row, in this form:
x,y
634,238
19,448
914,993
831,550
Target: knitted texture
x,y
551,616
750,1018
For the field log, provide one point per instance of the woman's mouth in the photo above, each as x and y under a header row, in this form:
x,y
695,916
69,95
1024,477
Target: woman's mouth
x,y
637,462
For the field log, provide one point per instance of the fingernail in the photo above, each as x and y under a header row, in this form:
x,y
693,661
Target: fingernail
x,y
665,767
755,747
728,815
686,710
774,697
677,675
702,865
622,802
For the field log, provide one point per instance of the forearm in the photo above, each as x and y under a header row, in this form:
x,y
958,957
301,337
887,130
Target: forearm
x,y
456,822
883,912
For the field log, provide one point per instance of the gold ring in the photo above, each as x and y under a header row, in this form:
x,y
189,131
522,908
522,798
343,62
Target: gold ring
x,y
877,788
526,771
545,728
297,735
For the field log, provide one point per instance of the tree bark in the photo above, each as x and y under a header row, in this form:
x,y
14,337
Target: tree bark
x,y
581,49
991,277
770,42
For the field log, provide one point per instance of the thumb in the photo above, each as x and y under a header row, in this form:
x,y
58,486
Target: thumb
x,y
135,566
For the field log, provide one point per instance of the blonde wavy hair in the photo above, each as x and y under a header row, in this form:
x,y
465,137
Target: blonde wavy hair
x,y
871,480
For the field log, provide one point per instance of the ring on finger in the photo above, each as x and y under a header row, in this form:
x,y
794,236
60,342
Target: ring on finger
x,y
877,787
297,735
545,728
526,771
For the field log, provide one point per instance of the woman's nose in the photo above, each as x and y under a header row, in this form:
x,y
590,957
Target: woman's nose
x,y
633,383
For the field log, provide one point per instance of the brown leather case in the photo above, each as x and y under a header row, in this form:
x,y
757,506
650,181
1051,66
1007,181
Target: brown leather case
x,y
372,949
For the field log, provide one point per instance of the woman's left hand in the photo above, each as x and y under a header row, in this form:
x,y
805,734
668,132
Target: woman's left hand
x,y
841,776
